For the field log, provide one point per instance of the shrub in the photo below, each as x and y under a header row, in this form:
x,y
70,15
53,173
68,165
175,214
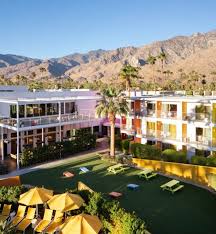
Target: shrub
x,y
136,149
198,160
126,146
171,155
181,156
11,193
114,218
211,161
6,229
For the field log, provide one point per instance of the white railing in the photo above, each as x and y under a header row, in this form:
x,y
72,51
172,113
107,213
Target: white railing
x,y
46,120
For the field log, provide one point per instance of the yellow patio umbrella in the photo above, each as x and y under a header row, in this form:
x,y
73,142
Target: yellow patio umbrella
x,y
65,202
81,224
35,196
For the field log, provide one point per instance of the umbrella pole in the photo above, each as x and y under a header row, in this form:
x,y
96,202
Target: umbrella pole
x,y
37,211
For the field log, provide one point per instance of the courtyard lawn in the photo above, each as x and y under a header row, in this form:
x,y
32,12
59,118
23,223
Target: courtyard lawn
x,y
189,211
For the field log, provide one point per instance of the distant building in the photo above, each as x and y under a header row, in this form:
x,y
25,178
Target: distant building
x,y
172,119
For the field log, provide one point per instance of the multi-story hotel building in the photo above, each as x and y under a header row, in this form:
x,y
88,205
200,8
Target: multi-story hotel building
x,y
37,118
172,120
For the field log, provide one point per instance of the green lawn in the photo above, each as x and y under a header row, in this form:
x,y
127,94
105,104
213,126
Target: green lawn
x,y
192,210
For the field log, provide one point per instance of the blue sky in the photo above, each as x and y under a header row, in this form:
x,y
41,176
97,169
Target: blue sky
x,y
53,28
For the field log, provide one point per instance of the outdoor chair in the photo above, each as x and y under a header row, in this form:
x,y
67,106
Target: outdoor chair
x,y
5,213
57,221
25,223
47,219
19,215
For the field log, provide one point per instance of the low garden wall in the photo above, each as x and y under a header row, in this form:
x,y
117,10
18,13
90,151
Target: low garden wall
x,y
198,174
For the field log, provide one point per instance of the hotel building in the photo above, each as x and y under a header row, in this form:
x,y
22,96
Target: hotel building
x,y
172,120
41,117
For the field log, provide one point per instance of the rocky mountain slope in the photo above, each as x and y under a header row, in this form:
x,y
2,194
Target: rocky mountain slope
x,y
184,53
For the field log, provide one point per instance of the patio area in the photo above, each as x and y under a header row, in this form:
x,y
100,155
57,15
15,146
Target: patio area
x,y
191,210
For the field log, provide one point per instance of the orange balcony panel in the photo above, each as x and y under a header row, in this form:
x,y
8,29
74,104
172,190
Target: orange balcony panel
x,y
137,106
159,108
124,121
137,140
137,123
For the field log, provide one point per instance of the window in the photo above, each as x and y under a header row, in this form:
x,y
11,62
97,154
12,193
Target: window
x,y
21,111
29,110
13,111
69,107
52,108
42,109
62,108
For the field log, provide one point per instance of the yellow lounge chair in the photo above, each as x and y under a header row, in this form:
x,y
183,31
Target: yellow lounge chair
x,y
5,213
24,224
57,221
19,215
47,219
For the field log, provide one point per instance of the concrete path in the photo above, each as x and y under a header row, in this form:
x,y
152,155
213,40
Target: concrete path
x,y
55,163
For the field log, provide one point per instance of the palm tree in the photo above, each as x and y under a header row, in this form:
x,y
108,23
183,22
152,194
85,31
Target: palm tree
x,y
112,103
162,56
152,60
128,73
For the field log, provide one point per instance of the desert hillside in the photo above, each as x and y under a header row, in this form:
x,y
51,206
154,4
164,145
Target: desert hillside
x,y
184,54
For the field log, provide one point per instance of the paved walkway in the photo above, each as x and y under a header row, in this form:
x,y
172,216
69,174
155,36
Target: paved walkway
x,y
55,163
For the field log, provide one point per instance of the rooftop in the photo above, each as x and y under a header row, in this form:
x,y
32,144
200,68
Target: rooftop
x,y
172,96
13,94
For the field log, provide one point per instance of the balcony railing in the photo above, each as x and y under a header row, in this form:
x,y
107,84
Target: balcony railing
x,y
167,114
45,120
130,130
203,117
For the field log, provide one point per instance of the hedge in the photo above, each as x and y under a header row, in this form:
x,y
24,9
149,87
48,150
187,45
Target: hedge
x,y
171,155
145,151
198,160
83,140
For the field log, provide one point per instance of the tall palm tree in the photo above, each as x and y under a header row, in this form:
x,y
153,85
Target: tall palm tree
x,y
128,73
152,60
112,103
162,56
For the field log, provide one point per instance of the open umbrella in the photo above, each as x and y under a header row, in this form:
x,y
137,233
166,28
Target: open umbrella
x,y
35,196
65,202
82,224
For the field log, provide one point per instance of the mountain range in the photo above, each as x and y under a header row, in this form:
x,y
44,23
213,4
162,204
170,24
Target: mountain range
x,y
183,53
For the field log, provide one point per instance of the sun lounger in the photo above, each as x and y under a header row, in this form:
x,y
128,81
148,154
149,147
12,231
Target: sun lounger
x,y
68,174
19,215
25,223
5,213
47,219
57,221
84,170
